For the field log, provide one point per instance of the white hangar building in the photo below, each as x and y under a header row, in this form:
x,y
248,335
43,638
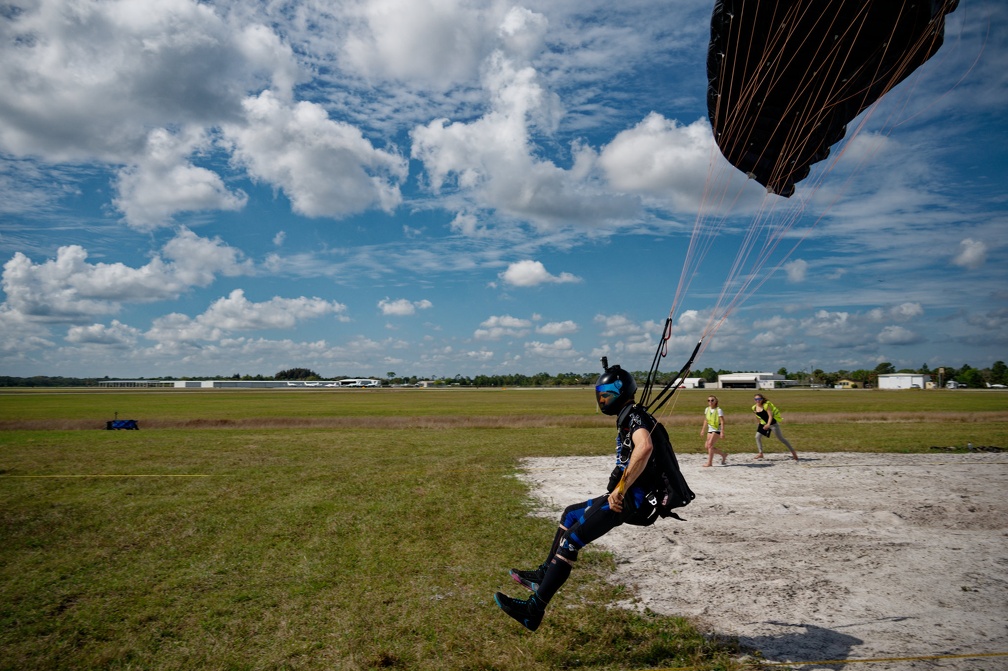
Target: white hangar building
x,y
903,381
750,381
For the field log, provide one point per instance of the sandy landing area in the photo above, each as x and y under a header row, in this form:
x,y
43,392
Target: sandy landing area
x,y
841,556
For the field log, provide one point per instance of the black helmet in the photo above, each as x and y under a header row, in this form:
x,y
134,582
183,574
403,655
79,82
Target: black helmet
x,y
614,388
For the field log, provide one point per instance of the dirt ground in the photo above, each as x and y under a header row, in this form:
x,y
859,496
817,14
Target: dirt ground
x,y
900,559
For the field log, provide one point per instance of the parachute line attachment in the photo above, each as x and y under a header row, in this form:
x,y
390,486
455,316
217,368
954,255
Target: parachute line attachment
x,y
673,385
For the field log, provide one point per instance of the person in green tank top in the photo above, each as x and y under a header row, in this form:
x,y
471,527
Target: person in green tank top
x,y
714,429
769,423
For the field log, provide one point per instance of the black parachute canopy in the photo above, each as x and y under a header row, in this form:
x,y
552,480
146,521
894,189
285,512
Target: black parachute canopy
x,y
786,77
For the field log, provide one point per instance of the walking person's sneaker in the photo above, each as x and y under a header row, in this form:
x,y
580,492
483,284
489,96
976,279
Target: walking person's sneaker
x,y
527,611
529,579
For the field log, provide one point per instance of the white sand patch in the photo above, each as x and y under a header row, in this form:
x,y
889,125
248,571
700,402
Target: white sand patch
x,y
839,556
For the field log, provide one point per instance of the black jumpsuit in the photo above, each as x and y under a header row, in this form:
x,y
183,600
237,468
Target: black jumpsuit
x,y
590,520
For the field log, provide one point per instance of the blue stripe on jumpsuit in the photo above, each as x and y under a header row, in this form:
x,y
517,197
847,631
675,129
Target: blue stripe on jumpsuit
x,y
575,517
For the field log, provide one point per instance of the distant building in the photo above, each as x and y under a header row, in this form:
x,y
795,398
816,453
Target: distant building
x,y
693,383
847,384
242,384
903,380
357,382
138,383
751,381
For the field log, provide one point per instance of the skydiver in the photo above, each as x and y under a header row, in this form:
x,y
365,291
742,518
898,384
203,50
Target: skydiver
x,y
630,498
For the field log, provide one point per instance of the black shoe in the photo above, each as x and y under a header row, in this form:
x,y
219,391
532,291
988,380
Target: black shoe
x,y
529,579
526,611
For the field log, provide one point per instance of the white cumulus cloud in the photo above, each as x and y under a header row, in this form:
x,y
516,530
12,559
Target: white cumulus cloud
x,y
436,42
69,288
897,335
235,312
558,328
561,347
972,254
502,326
530,273
493,163
659,156
523,32
907,311
402,307
115,334
327,168
796,270
163,182
86,80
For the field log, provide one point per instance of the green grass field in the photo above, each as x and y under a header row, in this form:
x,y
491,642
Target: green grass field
x,y
351,529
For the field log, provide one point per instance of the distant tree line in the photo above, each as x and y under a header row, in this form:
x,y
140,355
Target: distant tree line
x,y
997,373
297,374
47,381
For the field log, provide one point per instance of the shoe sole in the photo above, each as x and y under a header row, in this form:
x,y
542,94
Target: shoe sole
x,y
532,587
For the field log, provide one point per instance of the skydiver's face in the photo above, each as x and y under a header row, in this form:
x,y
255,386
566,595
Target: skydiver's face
x,y
606,394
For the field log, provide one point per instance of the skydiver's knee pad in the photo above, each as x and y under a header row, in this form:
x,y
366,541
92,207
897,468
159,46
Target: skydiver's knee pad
x,y
568,551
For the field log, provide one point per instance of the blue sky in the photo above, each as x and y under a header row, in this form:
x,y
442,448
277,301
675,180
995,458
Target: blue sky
x,y
442,187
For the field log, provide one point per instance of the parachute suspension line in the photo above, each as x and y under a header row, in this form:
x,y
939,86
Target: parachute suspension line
x,y
762,221
754,280
735,130
831,98
815,88
737,286
895,118
786,80
928,41
660,353
768,74
937,99
814,183
899,71
760,240
768,228
781,164
705,227
674,384
835,97
708,225
829,92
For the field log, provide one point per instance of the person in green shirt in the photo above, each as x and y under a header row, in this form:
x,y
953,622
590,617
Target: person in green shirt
x,y
769,423
714,429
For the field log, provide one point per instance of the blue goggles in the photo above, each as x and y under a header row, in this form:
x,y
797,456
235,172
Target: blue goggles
x,y
609,391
